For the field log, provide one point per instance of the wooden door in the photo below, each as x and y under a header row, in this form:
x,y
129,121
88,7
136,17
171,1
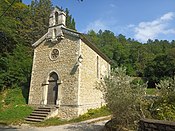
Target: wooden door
x,y
52,89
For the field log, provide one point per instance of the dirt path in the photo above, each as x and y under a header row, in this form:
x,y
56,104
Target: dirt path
x,y
90,125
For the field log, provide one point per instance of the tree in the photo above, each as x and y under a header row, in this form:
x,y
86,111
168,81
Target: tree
x,y
70,22
123,98
161,67
20,27
17,68
105,41
39,16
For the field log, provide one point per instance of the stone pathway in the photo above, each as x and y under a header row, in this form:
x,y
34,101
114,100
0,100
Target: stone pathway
x,y
90,125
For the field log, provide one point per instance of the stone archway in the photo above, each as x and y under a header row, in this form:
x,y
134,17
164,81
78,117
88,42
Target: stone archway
x,y
52,93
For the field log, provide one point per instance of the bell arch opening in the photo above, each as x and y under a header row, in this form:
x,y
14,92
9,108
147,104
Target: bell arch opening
x,y
56,18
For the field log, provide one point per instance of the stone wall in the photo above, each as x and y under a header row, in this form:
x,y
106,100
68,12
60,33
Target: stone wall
x,y
156,125
43,66
77,80
89,96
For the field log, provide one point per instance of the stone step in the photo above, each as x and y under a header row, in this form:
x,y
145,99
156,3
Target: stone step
x,y
48,108
43,110
33,120
36,117
36,114
40,112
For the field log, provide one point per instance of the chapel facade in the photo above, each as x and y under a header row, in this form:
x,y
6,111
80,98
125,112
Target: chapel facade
x,y
66,68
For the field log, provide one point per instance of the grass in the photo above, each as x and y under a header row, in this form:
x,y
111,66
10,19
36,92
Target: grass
x,y
92,113
151,91
13,107
13,110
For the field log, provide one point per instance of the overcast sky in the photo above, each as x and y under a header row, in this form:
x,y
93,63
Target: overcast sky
x,y
137,19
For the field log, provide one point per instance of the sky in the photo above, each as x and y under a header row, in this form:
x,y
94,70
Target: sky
x,y
136,19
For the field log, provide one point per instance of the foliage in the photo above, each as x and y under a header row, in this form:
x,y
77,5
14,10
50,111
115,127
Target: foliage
x,y
137,80
151,91
125,100
164,106
162,66
13,108
166,90
20,27
39,12
70,22
17,69
153,60
164,111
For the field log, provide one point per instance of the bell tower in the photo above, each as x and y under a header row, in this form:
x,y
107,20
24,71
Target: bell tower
x,y
57,20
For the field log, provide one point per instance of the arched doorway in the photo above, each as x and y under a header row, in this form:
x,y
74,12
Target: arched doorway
x,y
52,89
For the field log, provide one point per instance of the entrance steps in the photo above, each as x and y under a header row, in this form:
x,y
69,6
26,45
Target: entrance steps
x,y
40,114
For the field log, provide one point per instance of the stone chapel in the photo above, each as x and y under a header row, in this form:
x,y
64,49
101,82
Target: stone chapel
x,y
66,67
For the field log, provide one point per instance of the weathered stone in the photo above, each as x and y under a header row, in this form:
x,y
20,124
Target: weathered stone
x,y
153,126
161,128
169,128
77,65
147,129
146,124
156,125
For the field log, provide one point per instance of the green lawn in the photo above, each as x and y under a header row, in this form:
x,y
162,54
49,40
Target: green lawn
x,y
13,107
13,110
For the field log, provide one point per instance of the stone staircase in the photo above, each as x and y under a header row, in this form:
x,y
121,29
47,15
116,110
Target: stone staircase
x,y
39,114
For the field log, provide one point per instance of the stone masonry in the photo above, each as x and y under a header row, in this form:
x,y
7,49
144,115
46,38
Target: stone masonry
x,y
76,62
156,125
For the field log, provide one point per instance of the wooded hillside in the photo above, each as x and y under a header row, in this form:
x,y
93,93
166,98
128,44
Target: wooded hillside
x,y
21,25
153,60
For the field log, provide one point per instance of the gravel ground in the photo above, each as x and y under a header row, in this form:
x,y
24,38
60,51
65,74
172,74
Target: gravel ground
x,y
90,125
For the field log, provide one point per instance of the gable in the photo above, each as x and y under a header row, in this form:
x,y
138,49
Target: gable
x,y
76,34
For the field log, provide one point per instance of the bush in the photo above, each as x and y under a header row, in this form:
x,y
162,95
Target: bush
x,y
125,100
166,90
164,106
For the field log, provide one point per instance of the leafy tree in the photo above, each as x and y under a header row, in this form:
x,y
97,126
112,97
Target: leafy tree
x,y
162,66
20,27
123,98
105,41
17,68
70,22
20,73
39,18
93,37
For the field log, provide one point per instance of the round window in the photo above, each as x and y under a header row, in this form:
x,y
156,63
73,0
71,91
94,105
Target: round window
x,y
54,54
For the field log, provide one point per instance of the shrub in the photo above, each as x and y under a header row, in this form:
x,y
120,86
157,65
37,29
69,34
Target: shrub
x,y
164,106
166,90
125,100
